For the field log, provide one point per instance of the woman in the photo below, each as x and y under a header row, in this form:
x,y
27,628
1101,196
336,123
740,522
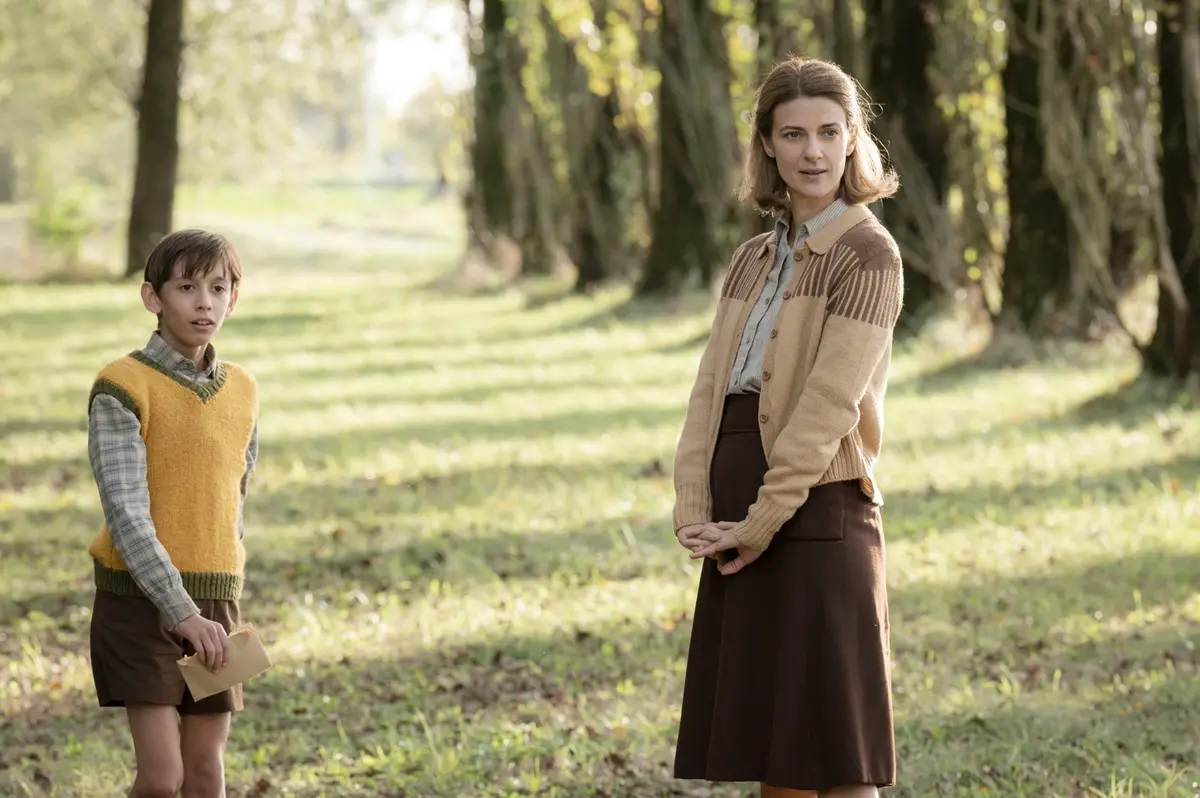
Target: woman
x,y
788,676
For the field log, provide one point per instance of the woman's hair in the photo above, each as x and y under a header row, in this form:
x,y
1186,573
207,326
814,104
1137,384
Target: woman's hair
x,y
865,179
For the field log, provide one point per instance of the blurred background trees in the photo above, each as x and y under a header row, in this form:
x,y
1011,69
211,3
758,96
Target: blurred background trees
x,y
1048,151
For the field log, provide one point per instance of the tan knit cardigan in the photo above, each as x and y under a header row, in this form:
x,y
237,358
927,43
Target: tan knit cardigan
x,y
824,372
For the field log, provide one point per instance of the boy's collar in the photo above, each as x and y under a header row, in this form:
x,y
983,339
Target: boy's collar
x,y
165,354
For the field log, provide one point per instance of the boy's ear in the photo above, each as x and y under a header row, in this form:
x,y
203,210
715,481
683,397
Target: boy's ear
x,y
150,299
233,295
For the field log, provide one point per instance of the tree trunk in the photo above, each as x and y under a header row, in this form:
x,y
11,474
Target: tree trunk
x,y
903,47
152,206
8,176
696,149
589,121
536,188
776,41
1173,349
1037,259
490,204
530,164
596,234
845,37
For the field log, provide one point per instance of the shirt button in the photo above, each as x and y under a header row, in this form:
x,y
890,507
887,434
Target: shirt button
x,y
763,418
774,333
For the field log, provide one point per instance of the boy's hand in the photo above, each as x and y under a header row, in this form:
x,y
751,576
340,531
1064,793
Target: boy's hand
x,y
208,638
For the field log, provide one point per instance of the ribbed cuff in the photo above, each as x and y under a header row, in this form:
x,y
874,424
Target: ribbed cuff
x,y
691,505
762,522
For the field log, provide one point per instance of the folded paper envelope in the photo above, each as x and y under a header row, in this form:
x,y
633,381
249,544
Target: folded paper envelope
x,y
247,658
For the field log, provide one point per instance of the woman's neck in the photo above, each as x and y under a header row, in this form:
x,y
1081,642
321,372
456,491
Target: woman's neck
x,y
805,208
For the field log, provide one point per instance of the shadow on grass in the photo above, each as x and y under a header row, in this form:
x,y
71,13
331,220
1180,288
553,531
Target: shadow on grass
x,y
374,540
913,514
517,384
1046,743
465,697
1129,406
44,426
316,445
60,472
997,626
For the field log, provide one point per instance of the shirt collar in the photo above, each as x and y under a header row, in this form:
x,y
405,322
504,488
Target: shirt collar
x,y
158,350
814,225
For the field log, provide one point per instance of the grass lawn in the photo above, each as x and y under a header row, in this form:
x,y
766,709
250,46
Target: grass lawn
x,y
462,562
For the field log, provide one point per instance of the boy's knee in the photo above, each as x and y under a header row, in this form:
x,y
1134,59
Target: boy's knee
x,y
160,783
203,776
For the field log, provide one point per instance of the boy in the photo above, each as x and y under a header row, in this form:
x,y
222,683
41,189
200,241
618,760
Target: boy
x,y
172,439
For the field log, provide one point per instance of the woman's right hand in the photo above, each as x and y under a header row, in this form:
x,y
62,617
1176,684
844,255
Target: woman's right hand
x,y
690,536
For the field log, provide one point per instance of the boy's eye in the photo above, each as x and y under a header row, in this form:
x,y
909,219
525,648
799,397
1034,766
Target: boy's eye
x,y
219,288
185,287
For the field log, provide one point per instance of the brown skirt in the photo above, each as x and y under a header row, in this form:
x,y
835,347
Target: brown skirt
x,y
135,657
788,676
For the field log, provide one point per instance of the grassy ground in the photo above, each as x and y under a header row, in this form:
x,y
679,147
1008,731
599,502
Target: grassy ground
x,y
462,563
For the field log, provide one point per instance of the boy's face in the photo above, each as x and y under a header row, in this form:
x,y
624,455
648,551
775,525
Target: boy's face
x,y
192,309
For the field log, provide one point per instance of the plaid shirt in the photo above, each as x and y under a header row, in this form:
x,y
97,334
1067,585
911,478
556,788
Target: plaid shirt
x,y
118,457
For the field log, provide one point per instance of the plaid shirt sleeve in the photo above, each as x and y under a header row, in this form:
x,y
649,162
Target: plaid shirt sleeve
x,y
118,457
251,462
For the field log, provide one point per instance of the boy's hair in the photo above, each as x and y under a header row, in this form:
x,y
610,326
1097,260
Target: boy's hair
x,y
197,251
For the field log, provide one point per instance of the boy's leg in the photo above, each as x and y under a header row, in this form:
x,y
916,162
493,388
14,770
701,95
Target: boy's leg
x,y
155,730
204,738
767,791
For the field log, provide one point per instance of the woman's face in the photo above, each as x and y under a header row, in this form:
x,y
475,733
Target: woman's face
x,y
810,142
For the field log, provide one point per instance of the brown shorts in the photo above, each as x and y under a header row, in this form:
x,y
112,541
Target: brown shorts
x,y
134,655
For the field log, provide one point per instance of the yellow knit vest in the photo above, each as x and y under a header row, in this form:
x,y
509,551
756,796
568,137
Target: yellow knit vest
x,y
196,437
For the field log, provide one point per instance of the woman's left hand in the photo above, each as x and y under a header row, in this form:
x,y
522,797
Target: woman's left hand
x,y
724,540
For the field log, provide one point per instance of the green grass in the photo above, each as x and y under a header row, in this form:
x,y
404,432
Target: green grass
x,y
461,556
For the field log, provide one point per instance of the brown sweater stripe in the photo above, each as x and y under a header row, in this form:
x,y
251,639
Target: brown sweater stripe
x,y
821,410
740,280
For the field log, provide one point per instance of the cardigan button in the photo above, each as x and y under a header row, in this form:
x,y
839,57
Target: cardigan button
x,y
763,418
774,333
787,294
766,376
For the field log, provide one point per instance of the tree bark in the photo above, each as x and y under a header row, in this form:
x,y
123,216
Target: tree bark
x,y
1037,259
490,203
152,207
776,41
1173,349
903,47
589,120
8,175
696,146
845,38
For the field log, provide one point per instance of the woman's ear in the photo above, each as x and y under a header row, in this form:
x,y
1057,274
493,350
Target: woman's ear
x,y
768,147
